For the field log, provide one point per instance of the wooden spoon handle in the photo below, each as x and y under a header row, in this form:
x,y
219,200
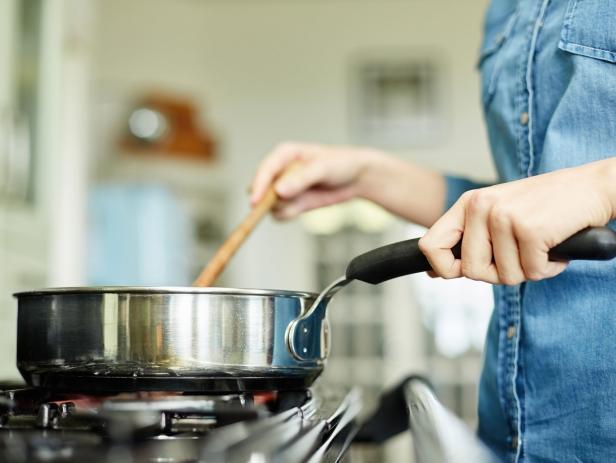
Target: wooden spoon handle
x,y
218,263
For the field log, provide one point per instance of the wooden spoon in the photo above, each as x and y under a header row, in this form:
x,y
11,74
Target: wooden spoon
x,y
218,263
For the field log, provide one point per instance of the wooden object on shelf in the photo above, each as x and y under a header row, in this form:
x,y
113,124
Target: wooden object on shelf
x,y
165,125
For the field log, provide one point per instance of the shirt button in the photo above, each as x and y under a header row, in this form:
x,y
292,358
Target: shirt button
x,y
511,332
524,118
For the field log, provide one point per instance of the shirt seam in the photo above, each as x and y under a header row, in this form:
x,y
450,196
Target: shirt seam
x,y
517,312
569,14
529,84
591,52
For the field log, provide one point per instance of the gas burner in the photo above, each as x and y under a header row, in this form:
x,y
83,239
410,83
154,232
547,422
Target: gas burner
x,y
99,379
38,425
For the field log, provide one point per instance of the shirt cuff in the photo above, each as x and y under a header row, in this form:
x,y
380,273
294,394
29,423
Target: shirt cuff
x,y
456,186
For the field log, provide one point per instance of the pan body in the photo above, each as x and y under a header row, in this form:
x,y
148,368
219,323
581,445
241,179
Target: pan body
x,y
185,339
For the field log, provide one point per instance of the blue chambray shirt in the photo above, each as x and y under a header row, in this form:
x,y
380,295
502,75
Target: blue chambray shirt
x,y
548,387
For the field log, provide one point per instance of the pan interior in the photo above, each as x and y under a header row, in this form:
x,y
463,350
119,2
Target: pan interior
x,y
166,290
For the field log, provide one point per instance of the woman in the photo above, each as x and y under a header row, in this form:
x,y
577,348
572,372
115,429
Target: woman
x,y
548,68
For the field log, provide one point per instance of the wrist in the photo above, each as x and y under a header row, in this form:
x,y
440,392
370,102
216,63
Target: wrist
x,y
374,167
604,176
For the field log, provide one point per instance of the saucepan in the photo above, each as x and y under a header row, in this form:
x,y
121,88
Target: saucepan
x,y
217,340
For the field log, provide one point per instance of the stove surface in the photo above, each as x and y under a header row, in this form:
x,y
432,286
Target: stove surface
x,y
37,425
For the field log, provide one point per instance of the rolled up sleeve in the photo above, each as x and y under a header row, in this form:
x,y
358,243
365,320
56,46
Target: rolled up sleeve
x,y
456,186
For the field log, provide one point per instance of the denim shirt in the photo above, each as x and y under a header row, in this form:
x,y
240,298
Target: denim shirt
x,y
548,387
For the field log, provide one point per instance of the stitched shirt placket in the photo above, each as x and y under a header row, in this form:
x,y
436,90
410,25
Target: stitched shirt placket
x,y
511,329
514,389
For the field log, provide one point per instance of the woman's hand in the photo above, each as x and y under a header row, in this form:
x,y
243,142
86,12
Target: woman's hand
x,y
508,229
324,175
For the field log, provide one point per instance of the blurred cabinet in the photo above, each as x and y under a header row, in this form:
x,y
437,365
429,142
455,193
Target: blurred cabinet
x,y
42,149
20,57
19,104
198,188
22,222
7,19
20,27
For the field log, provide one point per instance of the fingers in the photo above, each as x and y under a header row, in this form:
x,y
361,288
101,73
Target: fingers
x,y
492,249
506,235
331,172
299,180
534,258
313,199
436,244
505,248
477,258
272,166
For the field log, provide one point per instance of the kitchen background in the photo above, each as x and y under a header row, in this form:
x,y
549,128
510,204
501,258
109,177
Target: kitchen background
x,y
130,130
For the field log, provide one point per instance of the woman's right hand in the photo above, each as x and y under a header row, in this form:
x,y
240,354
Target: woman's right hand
x,y
309,176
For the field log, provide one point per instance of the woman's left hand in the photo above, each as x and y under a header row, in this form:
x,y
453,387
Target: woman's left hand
x,y
508,229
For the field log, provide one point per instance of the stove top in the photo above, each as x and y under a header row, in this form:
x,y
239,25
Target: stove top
x,y
37,425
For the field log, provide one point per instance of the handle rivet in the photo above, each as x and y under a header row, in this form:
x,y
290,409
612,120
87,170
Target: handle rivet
x,y
305,330
304,350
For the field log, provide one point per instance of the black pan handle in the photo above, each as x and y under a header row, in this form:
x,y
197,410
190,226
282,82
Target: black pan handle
x,y
596,243
404,258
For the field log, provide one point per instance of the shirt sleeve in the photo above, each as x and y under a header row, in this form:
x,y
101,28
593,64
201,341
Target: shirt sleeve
x,y
458,185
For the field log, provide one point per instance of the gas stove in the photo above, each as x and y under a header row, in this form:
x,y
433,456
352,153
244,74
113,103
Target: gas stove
x,y
308,426
37,425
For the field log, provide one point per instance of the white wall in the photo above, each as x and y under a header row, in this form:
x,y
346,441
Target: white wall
x,y
40,242
270,70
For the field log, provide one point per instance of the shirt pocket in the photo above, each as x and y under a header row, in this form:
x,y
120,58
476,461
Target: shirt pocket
x,y
497,32
589,29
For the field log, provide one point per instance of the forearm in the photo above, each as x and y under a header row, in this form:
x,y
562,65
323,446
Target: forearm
x,y
405,189
605,174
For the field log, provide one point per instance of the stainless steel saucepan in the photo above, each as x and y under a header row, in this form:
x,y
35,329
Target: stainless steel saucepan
x,y
206,339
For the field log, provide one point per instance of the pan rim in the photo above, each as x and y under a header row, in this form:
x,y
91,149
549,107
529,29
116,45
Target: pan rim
x,y
164,290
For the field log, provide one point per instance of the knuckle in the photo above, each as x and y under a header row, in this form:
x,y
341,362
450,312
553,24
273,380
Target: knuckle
x,y
319,169
480,200
311,176
501,217
526,229
423,245
288,148
467,195
509,279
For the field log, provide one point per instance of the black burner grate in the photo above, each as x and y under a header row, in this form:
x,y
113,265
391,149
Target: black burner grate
x,y
37,425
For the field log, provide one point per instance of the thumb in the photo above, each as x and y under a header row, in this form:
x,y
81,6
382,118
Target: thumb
x,y
298,179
